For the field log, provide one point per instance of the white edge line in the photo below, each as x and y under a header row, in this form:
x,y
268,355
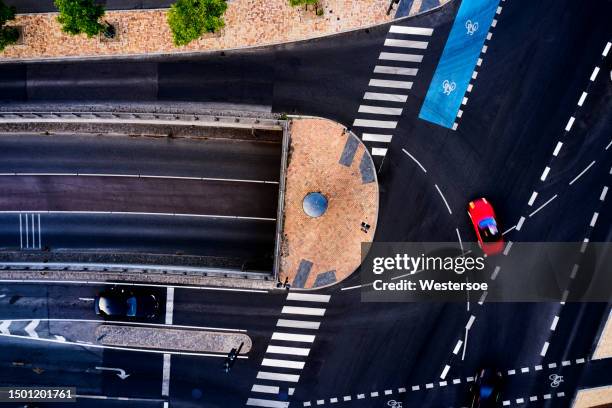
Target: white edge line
x,y
415,160
443,198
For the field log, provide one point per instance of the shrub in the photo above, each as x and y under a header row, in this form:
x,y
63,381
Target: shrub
x,y
189,19
302,2
80,16
8,35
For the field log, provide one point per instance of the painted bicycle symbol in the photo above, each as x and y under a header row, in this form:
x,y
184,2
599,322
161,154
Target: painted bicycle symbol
x,y
394,404
448,87
555,380
471,27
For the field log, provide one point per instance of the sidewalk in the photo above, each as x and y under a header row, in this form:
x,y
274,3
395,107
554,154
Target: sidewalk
x,y
248,23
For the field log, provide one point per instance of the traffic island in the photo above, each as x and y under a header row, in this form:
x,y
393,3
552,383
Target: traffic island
x,y
330,204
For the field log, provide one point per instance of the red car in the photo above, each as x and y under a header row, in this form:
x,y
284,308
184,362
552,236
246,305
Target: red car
x,y
487,230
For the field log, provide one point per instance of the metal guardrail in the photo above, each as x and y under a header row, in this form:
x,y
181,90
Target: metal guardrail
x,y
280,214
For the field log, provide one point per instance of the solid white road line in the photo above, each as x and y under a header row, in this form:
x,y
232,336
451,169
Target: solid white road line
x,y
292,351
304,338
509,230
310,311
398,29
375,96
380,110
268,389
415,160
383,69
393,56
542,206
169,305
20,233
108,397
166,376
234,217
581,173
375,137
298,324
390,42
444,199
255,402
383,124
308,297
265,375
388,83
379,151
271,362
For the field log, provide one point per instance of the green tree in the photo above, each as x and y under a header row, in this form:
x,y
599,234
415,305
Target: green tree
x,y
189,19
8,35
302,2
80,16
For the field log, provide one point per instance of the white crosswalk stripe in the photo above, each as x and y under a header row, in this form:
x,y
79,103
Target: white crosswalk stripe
x,y
383,69
375,96
390,42
304,338
270,362
380,110
397,29
383,124
298,324
265,375
379,151
267,389
393,56
388,83
256,402
374,137
293,351
308,297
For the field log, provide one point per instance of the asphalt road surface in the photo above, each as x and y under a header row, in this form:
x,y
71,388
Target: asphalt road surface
x,y
45,6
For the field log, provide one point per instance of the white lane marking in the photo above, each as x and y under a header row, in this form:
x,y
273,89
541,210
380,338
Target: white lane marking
x,y
265,375
380,110
388,83
582,98
557,149
552,365
111,322
457,347
570,123
304,338
507,249
39,234
495,272
511,372
31,328
234,217
100,346
581,173
392,56
594,74
397,29
459,238
580,360
268,389
509,229
553,326
544,349
256,402
271,362
375,137
166,376
415,160
20,233
308,297
33,232
108,397
391,42
310,311
470,322
444,372
86,299
378,151
375,96
604,191
151,176
594,219
574,271
4,327
113,283
383,69
545,173
457,381
606,50
169,305
292,351
483,297
429,385
27,231
298,324
519,225
532,199
542,206
609,144
444,199
538,367
383,124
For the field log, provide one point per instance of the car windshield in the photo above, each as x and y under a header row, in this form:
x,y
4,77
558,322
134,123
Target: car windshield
x,y
112,306
488,230
131,306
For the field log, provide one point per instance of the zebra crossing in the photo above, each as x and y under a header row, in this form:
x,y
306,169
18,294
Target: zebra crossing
x,y
30,236
392,77
288,350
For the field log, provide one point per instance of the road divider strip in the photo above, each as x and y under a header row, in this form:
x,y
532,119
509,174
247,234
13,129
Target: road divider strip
x,y
234,217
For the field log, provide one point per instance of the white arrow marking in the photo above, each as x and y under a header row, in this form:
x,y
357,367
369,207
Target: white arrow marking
x,y
31,328
121,374
4,327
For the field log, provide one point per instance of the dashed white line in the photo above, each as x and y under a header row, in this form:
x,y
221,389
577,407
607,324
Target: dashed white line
x,y
378,151
495,272
594,219
553,325
519,225
415,160
166,375
444,199
582,98
557,149
545,173
470,322
594,74
457,347
532,199
444,372
582,173
604,191
606,50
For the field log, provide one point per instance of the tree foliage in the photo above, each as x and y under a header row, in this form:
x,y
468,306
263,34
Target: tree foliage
x,y
8,35
302,2
190,19
80,16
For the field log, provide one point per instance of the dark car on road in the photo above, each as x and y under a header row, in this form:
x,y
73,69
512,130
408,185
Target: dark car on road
x,y
119,302
485,391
